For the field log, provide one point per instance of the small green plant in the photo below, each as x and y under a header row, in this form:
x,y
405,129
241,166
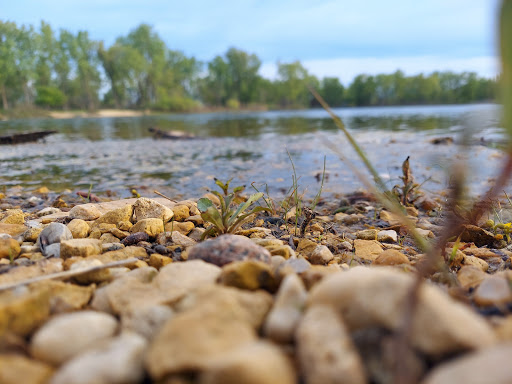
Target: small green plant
x,y
229,217
407,193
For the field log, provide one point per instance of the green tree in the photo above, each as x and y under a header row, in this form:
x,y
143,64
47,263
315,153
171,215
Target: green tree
x,y
362,90
332,91
293,81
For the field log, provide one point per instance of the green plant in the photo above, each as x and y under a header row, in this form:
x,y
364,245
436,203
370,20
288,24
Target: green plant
x,y
408,192
229,217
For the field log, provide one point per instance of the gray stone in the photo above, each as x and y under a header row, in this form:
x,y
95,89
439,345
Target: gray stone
x,y
52,234
145,208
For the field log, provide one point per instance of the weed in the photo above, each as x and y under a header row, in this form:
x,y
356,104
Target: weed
x,y
408,192
228,219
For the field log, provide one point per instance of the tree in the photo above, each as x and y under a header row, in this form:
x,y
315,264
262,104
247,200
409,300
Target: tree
x,y
362,90
293,82
332,91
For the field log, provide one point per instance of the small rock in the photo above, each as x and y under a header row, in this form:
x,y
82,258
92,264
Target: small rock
x,y
85,212
119,234
17,369
118,360
491,365
146,320
299,265
367,249
80,247
367,234
182,240
13,230
124,225
196,234
9,249
67,335
321,255
391,257
494,290
152,227
54,233
79,228
470,276
196,219
145,208
477,235
259,362
183,228
181,212
227,248
248,274
12,216
109,238
158,261
282,320
52,250
325,350
476,262
348,219
306,247
134,238
389,236
116,216
91,277
47,211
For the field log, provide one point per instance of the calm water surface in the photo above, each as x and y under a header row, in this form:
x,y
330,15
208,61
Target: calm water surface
x,y
119,153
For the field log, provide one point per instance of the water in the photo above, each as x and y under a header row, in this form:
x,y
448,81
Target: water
x,y
118,154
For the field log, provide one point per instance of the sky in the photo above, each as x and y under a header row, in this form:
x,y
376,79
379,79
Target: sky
x,y
340,38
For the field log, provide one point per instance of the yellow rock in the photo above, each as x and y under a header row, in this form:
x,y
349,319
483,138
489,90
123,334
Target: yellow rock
x,y
79,228
391,257
158,261
66,297
183,228
470,276
181,212
12,216
122,254
249,275
16,369
367,249
150,226
79,247
12,229
42,190
117,215
9,248
32,234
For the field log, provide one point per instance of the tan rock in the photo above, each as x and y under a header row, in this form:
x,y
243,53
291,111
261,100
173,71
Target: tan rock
x,y
196,219
145,208
17,369
13,230
66,297
12,216
470,276
79,228
79,247
31,234
23,310
504,329
43,267
109,238
483,253
388,236
158,261
391,257
122,254
325,350
248,274
367,234
284,316
116,216
306,247
259,362
477,235
367,249
124,225
183,228
476,262
69,334
150,226
119,233
181,212
321,255
146,320
95,276
375,297
182,240
219,327
9,249
493,290
491,365
85,212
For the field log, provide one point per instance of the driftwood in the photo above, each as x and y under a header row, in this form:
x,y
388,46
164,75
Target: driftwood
x,y
171,135
68,274
24,137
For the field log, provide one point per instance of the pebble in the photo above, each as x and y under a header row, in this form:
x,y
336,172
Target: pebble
x,y
54,233
80,247
248,274
79,228
367,234
9,248
477,235
321,255
47,211
182,240
183,228
228,248
146,320
13,230
67,335
152,227
470,276
391,257
181,212
325,350
145,208
375,297
117,215
134,238
388,236
367,249
114,361
12,216
493,290
85,212
284,316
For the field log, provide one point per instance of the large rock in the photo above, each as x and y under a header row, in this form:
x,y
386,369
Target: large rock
x,y
17,369
491,365
145,208
12,216
321,255
116,216
117,361
146,320
70,334
376,297
367,249
219,327
12,229
285,314
253,363
325,350
228,248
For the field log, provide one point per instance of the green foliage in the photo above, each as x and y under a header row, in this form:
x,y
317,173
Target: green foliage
x,y
229,217
506,65
233,104
50,97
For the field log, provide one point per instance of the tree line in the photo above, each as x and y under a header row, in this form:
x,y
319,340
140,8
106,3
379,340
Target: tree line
x,y
63,70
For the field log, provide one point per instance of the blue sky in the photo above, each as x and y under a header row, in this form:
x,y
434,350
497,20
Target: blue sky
x,y
331,38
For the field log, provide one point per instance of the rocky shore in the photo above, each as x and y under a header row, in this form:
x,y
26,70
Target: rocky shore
x,y
127,291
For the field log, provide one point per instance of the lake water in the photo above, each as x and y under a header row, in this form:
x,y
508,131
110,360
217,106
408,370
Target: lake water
x,y
117,154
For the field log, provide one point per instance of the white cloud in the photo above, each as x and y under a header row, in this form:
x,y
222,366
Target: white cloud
x,y
348,68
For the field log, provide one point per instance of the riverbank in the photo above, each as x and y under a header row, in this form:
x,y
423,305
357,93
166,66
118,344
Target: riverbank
x,y
265,305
